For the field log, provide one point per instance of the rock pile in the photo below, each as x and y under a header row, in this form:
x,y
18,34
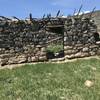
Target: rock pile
x,y
80,37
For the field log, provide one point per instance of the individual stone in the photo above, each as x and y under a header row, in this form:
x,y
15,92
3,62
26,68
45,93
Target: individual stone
x,y
65,38
42,58
34,59
85,49
98,42
22,59
29,59
3,61
43,53
92,53
72,56
78,55
13,60
36,50
89,83
43,49
38,53
68,52
79,45
3,56
85,54
98,52
39,46
11,51
68,47
93,46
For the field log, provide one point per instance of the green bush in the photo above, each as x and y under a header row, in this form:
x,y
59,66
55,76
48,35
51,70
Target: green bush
x,y
55,48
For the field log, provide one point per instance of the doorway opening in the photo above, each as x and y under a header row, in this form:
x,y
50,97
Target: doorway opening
x,y
55,47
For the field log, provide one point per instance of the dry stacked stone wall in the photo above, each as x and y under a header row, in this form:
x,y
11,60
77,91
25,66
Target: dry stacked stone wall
x,y
80,38
24,41
21,42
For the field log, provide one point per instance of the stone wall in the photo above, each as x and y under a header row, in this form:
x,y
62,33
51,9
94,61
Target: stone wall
x,y
21,42
26,41
96,18
80,38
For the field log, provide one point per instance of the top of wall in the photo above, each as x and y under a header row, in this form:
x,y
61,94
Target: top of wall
x,y
96,18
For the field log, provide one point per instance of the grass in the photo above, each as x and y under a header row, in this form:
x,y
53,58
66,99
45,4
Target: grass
x,y
55,48
51,81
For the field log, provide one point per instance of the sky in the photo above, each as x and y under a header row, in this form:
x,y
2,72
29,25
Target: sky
x,y
22,8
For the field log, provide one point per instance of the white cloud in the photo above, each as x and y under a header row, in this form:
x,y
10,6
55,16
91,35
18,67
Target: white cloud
x,y
68,3
84,12
87,12
59,2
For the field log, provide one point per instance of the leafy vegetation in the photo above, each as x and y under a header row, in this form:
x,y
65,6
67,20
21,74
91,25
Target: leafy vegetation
x,y
51,81
55,48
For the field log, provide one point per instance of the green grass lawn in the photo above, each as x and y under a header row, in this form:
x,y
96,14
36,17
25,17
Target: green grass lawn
x,y
52,81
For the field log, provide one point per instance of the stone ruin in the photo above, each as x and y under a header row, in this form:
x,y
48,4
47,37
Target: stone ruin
x,y
25,41
80,38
